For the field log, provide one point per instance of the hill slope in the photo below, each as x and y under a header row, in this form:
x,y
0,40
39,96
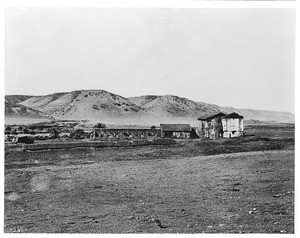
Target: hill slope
x,y
83,104
14,109
100,104
174,106
262,115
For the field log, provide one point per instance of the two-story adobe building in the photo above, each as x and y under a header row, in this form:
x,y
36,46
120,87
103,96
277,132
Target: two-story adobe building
x,y
233,125
214,125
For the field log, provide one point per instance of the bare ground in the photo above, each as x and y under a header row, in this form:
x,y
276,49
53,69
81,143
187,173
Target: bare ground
x,y
124,191
191,187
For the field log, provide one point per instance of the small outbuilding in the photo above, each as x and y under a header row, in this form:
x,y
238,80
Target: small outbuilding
x,y
175,130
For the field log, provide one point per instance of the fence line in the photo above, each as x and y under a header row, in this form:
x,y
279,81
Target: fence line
x,y
98,144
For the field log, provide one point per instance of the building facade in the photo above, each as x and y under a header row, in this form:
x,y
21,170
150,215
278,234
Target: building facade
x,y
233,125
215,125
179,131
210,125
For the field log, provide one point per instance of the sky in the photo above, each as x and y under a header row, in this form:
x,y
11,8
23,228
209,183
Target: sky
x,y
243,58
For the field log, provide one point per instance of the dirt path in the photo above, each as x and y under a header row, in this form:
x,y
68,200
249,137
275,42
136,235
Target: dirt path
x,y
232,193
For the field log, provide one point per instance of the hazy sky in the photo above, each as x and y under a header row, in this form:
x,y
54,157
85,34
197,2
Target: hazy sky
x,y
242,58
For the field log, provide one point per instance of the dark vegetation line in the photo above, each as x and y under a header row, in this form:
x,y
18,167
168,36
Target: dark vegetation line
x,y
183,149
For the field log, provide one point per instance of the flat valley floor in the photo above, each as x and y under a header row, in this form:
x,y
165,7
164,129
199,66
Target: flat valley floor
x,y
153,189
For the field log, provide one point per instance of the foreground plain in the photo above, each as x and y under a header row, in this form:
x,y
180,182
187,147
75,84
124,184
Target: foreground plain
x,y
191,187
243,192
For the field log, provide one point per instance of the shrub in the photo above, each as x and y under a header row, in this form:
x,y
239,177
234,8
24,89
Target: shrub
x,y
100,125
8,130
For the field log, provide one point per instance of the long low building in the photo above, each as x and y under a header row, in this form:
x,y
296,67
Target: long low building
x,y
175,130
214,125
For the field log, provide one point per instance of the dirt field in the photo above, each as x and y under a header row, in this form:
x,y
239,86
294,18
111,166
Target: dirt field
x,y
192,187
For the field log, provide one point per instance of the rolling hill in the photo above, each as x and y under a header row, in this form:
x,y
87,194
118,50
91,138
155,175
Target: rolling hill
x,y
83,104
13,108
262,115
174,106
103,105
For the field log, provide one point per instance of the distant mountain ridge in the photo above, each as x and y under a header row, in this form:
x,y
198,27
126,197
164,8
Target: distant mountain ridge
x,y
262,115
92,104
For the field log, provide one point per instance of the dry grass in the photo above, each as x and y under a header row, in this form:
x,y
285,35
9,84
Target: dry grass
x,y
247,192
156,189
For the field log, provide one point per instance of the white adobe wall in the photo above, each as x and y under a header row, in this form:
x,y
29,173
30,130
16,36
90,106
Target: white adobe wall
x,y
232,124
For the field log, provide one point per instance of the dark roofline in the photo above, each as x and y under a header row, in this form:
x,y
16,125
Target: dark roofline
x,y
176,127
209,116
234,115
